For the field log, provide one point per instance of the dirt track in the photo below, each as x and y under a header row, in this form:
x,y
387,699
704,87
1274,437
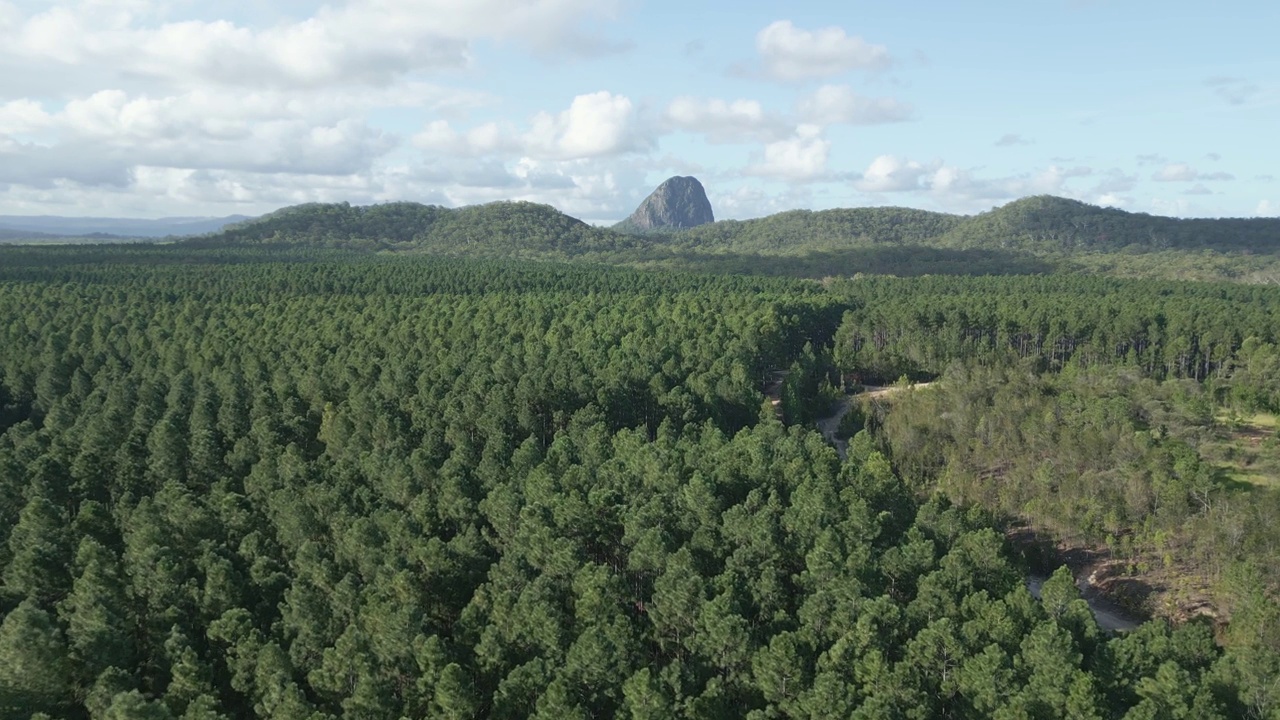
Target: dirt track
x,y
829,425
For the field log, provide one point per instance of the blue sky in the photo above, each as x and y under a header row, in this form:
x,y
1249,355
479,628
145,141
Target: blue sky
x,y
148,108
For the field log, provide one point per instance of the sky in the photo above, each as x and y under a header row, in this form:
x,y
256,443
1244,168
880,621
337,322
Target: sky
x,y
148,108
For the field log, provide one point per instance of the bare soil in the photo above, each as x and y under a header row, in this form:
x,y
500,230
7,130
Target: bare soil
x,y
1127,589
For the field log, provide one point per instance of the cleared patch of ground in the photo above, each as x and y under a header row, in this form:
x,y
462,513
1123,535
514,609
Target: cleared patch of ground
x,y
1247,450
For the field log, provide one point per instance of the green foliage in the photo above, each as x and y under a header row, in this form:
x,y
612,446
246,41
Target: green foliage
x,y
1047,222
312,484
1035,235
34,666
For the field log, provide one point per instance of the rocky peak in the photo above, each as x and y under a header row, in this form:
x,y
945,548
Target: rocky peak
x,y
678,203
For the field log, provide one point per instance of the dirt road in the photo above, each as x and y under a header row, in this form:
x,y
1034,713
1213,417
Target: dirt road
x,y
829,425
1109,615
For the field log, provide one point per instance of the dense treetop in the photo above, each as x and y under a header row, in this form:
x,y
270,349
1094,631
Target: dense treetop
x,y
279,481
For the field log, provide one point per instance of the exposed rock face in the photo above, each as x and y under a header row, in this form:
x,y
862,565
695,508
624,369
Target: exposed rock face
x,y
678,203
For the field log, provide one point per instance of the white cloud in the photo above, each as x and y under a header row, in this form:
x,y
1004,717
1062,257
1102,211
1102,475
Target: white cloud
x,y
1182,172
22,116
790,53
1266,208
889,173
603,190
722,121
1177,172
357,42
750,201
957,188
595,125
112,132
840,105
595,190
803,157
961,186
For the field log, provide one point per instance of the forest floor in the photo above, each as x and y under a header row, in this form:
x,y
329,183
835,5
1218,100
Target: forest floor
x,y
874,391
1247,450
1118,599
773,390
1122,592
830,425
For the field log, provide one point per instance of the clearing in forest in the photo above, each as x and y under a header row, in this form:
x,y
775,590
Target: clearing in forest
x,y
1247,449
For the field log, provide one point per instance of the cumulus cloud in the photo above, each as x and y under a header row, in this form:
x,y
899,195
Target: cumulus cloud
x,y
789,53
722,121
356,42
1266,208
962,188
1182,172
593,189
202,114
889,173
1177,172
111,132
799,158
960,185
135,106
595,125
752,201
840,105
21,117
1197,189
599,190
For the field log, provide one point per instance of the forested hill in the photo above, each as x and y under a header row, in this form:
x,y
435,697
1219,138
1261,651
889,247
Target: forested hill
x,y
827,229
1040,224
1052,223
492,230
1035,235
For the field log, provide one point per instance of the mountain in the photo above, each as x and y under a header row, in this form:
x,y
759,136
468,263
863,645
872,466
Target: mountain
x,y
1035,235
37,226
1040,224
1045,223
498,229
799,231
679,203
11,235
